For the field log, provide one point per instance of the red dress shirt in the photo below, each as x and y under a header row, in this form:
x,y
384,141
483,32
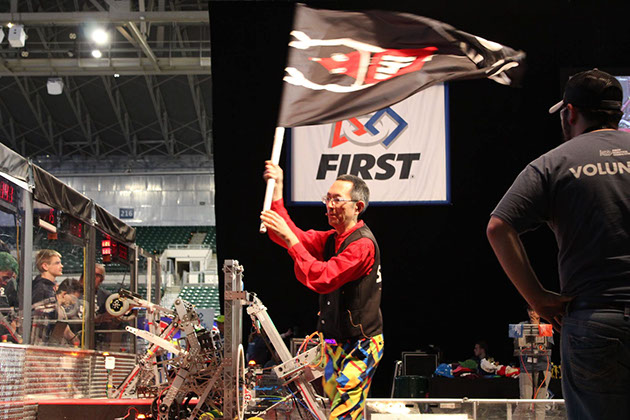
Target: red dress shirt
x,y
310,268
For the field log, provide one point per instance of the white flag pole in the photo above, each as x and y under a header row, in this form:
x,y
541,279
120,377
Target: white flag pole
x,y
278,138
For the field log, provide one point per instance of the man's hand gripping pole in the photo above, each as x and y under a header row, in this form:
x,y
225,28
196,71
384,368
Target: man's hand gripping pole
x,y
271,183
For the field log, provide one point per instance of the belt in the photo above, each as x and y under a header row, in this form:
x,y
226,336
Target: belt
x,y
579,305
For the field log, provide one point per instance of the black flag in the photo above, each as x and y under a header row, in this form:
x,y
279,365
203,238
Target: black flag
x,y
345,64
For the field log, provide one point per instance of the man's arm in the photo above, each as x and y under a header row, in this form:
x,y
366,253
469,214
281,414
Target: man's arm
x,y
321,276
313,240
512,256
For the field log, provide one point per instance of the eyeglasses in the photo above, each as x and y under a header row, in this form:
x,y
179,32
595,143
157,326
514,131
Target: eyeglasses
x,y
336,200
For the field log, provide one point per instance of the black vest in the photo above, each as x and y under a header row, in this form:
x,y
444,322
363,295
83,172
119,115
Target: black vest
x,y
353,311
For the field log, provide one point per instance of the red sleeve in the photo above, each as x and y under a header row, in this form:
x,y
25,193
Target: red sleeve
x,y
326,276
313,240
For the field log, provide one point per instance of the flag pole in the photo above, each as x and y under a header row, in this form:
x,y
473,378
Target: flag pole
x,y
278,138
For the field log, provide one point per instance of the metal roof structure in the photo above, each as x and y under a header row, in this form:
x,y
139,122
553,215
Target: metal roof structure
x,y
149,94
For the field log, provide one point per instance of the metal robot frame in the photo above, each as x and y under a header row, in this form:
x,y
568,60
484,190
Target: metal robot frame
x,y
208,369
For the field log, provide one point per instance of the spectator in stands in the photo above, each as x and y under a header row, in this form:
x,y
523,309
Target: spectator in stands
x,y
48,263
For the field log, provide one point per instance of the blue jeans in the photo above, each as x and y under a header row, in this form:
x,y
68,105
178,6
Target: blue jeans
x,y
596,364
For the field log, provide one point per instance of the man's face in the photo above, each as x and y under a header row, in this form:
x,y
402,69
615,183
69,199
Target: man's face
x,y
534,318
99,276
5,276
564,121
340,214
54,267
477,350
68,299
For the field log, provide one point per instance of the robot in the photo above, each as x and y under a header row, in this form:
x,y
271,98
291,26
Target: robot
x,y
174,373
202,366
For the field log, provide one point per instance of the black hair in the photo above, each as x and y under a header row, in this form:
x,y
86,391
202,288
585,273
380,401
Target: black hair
x,y
70,286
360,190
483,344
601,118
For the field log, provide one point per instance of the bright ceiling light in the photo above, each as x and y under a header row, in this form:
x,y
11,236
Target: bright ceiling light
x,y
99,36
97,53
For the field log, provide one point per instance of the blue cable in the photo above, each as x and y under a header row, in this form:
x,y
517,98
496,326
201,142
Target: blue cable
x,y
303,405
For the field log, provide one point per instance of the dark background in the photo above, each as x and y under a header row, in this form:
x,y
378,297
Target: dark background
x,y
441,282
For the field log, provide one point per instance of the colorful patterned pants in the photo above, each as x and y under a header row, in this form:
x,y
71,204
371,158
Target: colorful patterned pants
x,y
348,375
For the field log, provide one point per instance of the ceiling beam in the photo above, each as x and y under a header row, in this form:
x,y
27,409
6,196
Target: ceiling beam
x,y
144,45
103,66
112,16
195,92
160,30
38,109
160,112
120,110
7,120
79,108
119,28
202,116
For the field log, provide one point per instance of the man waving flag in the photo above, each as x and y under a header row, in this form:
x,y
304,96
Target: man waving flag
x,y
344,64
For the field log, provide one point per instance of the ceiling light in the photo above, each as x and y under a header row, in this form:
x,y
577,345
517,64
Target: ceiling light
x,y
24,53
17,36
72,35
9,25
97,53
54,85
116,75
99,36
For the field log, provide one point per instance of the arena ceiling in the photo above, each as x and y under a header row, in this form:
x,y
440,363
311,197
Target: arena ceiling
x,y
149,94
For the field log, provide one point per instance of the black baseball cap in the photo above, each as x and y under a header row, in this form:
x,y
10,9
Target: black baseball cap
x,y
591,89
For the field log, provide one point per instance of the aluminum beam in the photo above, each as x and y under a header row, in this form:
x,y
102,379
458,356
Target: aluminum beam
x,y
113,17
197,97
6,120
120,110
104,66
160,112
38,109
144,45
79,108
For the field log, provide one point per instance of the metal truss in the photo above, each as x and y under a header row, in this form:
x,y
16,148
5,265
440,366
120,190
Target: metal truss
x,y
156,47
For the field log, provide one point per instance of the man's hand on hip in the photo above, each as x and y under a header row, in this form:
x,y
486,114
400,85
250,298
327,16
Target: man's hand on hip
x,y
551,306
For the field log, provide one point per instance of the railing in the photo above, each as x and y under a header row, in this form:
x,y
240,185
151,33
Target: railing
x,y
188,246
31,373
465,408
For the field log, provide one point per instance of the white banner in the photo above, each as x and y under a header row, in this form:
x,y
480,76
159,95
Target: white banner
x,y
401,152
